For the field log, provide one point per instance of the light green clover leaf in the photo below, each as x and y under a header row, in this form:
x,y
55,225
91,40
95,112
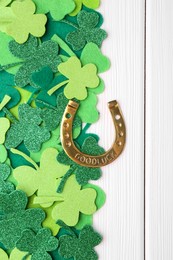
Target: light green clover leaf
x,y
14,255
76,200
25,21
44,179
4,3
93,4
4,126
57,8
80,78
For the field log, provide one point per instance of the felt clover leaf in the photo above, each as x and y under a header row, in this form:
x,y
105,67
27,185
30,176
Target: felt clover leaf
x,y
79,77
28,130
80,247
14,255
75,200
52,117
93,4
83,174
37,244
43,180
4,126
14,218
87,31
25,21
57,8
5,186
35,56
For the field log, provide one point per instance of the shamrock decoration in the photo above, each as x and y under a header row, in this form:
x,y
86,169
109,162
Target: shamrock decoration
x,y
28,129
35,56
87,31
43,180
75,200
4,126
14,255
37,244
83,174
5,186
52,117
14,218
22,21
78,78
93,4
57,8
80,247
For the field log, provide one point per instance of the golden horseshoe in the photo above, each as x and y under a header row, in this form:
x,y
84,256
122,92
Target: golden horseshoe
x,y
89,160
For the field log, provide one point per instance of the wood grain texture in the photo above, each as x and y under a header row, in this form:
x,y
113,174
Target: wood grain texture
x,y
121,220
159,129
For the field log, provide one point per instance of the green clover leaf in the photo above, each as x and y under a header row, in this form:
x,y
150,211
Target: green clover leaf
x,y
14,255
75,200
93,4
80,247
44,179
14,218
5,186
57,8
87,31
35,56
4,126
37,244
19,20
83,174
28,129
79,77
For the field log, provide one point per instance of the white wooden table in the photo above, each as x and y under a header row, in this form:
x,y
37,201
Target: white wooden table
x,y
137,220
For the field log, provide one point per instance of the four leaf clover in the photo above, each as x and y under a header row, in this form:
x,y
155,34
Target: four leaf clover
x,y
37,244
80,247
27,129
87,31
78,78
35,56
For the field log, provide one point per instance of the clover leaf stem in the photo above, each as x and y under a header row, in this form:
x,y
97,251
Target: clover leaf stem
x,y
31,98
63,45
65,177
27,158
45,104
70,23
9,114
55,88
8,66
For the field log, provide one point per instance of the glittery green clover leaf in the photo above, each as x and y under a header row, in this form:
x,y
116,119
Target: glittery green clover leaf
x,y
43,180
80,247
83,174
93,4
23,21
5,186
52,116
80,78
4,126
75,200
57,8
28,129
87,31
14,218
35,56
37,245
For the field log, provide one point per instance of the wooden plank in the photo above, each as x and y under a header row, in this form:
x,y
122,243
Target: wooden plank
x,y
121,221
159,129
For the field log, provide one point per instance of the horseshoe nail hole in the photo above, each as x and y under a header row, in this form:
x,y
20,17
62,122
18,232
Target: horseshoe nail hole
x,y
66,125
120,125
67,135
119,143
68,115
68,144
121,134
117,117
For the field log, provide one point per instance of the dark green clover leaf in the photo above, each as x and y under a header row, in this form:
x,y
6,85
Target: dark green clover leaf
x,y
35,56
87,31
52,117
83,174
80,247
37,245
28,130
14,218
5,186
